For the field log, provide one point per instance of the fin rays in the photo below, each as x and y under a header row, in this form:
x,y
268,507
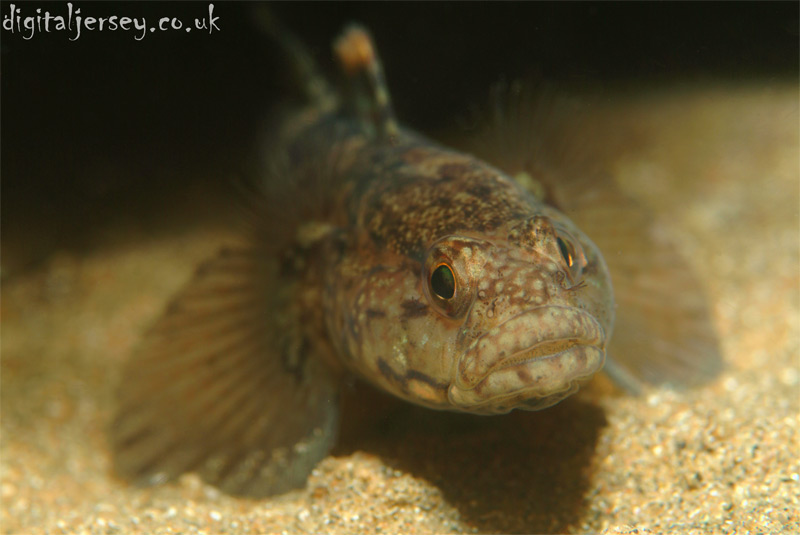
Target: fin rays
x,y
663,331
208,390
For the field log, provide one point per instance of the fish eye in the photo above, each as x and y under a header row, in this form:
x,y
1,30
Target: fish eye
x,y
572,254
443,282
448,275
566,251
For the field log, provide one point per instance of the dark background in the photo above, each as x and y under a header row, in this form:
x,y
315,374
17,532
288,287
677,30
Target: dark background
x,y
108,127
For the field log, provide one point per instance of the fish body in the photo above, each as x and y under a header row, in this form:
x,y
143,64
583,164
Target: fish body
x,y
423,270
448,284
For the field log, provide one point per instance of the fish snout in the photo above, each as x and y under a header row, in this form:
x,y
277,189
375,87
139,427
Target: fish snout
x,y
529,361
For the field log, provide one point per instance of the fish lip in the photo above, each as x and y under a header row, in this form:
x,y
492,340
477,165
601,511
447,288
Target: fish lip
x,y
532,334
531,360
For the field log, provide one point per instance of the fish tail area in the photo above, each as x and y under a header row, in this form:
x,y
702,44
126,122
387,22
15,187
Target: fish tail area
x,y
366,92
663,331
226,384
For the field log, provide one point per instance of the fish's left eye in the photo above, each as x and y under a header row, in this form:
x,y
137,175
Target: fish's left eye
x,y
566,251
571,253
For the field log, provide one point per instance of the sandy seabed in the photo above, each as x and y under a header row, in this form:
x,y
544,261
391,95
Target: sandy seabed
x,y
719,165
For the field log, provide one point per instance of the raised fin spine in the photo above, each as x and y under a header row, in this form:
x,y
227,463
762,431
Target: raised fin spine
x,y
359,60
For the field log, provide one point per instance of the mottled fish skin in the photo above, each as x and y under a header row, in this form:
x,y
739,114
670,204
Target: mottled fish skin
x,y
547,140
425,271
533,307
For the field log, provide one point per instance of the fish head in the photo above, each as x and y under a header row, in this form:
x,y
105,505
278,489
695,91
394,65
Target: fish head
x,y
537,308
483,323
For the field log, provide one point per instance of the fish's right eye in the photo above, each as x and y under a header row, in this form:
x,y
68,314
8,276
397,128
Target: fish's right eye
x,y
443,282
448,275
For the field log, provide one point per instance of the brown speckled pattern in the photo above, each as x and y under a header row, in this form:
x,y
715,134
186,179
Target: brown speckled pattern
x,y
412,206
712,460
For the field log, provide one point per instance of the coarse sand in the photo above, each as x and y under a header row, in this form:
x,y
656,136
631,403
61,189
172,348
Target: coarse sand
x,y
718,165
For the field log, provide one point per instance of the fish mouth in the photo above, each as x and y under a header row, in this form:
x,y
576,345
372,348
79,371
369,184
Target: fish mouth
x,y
530,361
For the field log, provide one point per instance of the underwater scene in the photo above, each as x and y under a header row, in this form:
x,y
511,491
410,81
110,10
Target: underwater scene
x,y
400,268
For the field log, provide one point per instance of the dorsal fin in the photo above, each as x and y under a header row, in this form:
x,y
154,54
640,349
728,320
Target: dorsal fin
x,y
366,90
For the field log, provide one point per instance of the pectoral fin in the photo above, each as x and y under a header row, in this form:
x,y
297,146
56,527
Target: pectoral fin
x,y
663,331
215,388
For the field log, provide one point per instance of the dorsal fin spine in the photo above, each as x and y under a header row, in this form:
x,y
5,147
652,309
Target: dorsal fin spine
x,y
355,50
